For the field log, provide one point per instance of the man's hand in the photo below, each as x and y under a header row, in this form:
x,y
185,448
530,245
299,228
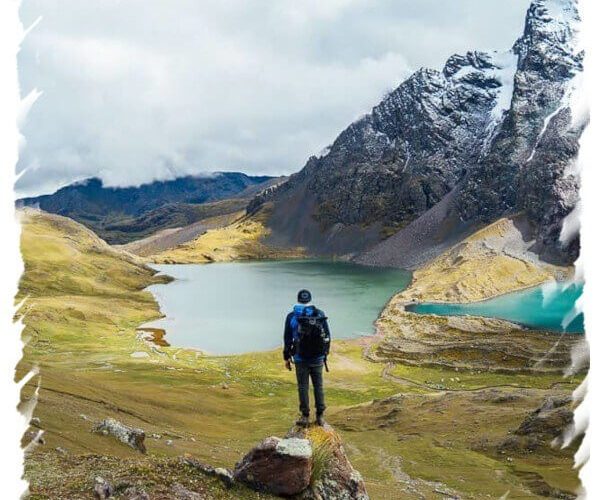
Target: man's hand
x,y
288,364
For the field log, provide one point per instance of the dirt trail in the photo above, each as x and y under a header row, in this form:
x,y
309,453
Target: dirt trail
x,y
386,375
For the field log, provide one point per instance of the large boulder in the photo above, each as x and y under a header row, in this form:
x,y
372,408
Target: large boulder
x,y
308,464
130,436
332,475
277,466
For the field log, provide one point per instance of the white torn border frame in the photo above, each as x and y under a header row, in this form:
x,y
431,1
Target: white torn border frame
x,y
14,110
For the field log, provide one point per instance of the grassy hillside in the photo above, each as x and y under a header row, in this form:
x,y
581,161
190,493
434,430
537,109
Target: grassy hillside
x,y
407,429
85,301
241,240
122,214
492,261
167,239
124,229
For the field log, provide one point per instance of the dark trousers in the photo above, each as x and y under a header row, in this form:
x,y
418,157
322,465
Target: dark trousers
x,y
315,372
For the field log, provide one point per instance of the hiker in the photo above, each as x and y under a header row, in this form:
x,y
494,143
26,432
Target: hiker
x,y
306,340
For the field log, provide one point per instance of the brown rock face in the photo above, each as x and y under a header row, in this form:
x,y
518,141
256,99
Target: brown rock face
x,y
337,479
542,427
549,420
308,464
278,466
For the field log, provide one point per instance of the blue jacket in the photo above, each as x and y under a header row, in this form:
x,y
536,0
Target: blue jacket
x,y
290,332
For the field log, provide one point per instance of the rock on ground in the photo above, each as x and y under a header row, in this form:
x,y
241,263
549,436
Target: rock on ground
x,y
338,478
102,489
133,493
139,354
308,464
182,493
225,475
278,466
131,436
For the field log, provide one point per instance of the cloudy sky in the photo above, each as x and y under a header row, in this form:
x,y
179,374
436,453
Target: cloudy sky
x,y
135,90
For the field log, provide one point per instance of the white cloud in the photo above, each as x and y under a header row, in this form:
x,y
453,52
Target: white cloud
x,y
139,90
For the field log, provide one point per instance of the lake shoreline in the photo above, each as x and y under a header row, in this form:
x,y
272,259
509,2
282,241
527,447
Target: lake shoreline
x,y
392,301
201,296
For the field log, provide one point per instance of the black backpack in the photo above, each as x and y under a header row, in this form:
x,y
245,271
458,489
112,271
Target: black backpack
x,y
312,340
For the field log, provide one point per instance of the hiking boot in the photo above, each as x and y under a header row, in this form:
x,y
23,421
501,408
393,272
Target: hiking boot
x,y
303,421
320,420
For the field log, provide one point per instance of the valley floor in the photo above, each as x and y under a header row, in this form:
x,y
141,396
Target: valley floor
x,y
421,414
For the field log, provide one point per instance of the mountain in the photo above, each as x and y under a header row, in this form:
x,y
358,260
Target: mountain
x,y
447,152
128,229
121,214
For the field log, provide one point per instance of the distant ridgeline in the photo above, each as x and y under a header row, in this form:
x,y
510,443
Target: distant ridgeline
x,y
447,152
122,214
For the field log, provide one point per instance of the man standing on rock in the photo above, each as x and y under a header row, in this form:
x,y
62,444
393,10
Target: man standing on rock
x,y
306,340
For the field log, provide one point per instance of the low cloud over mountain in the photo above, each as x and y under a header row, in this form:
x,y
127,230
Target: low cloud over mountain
x,y
136,91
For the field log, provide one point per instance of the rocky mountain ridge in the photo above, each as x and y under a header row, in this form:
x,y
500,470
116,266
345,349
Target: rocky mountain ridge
x,y
120,214
490,135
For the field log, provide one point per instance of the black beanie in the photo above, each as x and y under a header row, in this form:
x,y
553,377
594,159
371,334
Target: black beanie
x,y
304,297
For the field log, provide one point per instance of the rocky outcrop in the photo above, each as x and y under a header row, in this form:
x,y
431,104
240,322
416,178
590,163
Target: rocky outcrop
x,y
333,475
543,427
182,493
308,464
466,343
130,436
490,135
278,466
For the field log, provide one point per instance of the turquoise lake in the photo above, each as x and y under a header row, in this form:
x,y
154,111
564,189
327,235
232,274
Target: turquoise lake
x,y
230,308
546,307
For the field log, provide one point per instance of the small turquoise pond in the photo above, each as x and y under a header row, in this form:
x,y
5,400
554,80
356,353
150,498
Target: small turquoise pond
x,y
547,307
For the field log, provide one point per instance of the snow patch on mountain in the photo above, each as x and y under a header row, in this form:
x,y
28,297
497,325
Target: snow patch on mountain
x,y
324,152
559,12
570,100
506,64
504,72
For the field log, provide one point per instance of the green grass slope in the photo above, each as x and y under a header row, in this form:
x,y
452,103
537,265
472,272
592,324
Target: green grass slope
x,y
125,229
